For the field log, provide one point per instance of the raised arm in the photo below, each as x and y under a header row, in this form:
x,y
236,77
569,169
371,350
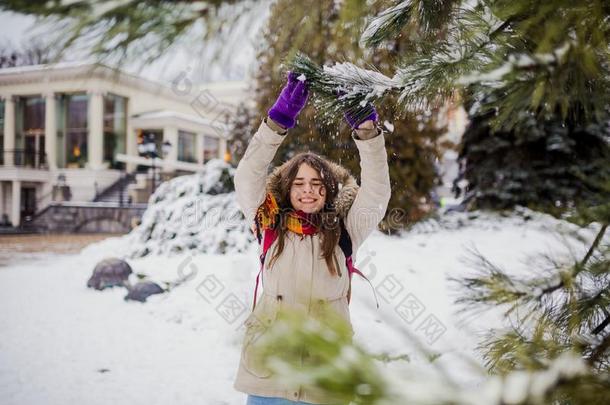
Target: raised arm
x,y
252,169
374,193
251,172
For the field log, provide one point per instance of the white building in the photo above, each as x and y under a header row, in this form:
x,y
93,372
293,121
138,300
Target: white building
x,y
83,122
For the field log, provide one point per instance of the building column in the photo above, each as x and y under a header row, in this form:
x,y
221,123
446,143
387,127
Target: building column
x,y
199,145
16,203
9,130
4,200
222,149
95,138
2,205
50,130
131,149
171,134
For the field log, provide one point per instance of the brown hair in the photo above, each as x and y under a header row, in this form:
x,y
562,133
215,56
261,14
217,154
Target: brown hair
x,y
326,218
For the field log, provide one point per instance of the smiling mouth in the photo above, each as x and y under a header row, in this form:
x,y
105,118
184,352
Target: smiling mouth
x,y
307,200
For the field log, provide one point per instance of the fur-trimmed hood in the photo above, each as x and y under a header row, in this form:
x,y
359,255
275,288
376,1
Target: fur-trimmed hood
x,y
348,188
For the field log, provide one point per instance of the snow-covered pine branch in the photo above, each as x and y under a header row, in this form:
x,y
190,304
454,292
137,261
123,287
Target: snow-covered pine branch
x,y
421,81
427,15
351,373
342,87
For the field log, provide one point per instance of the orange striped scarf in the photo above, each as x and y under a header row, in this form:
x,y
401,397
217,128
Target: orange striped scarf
x,y
268,216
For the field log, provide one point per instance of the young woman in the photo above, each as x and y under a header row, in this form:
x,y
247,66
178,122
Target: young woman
x,y
304,213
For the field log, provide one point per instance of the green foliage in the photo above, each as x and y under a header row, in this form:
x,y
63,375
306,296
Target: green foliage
x,y
496,46
425,16
318,352
535,76
563,309
327,89
583,216
549,166
347,373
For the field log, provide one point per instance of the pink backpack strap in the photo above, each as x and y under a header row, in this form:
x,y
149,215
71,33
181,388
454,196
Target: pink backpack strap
x,y
351,269
269,236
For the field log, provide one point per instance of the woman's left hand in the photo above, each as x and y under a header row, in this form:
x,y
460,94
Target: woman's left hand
x,y
366,130
355,120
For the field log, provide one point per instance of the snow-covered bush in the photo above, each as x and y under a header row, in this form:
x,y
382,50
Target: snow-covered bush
x,y
196,212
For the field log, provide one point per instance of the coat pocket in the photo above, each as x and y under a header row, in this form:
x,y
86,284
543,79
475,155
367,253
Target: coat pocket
x,y
253,354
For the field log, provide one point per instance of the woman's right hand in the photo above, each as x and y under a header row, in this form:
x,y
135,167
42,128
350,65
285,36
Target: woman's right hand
x,y
290,102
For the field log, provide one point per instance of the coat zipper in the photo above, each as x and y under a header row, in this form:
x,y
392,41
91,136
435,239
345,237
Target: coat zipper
x,y
311,278
310,295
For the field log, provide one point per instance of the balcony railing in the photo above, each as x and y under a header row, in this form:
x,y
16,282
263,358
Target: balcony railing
x,y
24,158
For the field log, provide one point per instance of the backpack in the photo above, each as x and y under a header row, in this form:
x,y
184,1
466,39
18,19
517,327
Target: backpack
x,y
345,243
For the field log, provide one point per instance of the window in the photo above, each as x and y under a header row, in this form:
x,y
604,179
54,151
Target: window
x,y
33,114
210,148
186,147
1,132
74,123
115,128
30,131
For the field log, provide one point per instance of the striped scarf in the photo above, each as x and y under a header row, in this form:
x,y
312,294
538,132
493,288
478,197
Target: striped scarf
x,y
299,222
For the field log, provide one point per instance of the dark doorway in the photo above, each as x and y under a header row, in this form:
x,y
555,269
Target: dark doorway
x,y
28,202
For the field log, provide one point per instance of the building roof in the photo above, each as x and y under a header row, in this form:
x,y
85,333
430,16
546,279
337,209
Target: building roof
x,y
158,117
75,70
223,91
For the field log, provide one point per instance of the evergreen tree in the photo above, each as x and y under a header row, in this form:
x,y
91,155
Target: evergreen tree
x,y
549,165
534,74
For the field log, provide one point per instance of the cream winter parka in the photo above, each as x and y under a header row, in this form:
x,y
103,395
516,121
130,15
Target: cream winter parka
x,y
299,278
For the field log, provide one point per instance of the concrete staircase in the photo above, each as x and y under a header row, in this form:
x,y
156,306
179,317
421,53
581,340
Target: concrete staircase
x,y
85,217
117,191
110,211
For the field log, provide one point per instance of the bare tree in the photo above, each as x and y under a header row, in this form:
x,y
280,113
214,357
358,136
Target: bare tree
x,y
32,52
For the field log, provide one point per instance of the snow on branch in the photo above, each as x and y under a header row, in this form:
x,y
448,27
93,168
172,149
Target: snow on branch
x,y
426,15
386,23
342,87
516,62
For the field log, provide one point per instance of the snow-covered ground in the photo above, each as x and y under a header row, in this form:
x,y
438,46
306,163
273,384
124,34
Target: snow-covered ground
x,y
61,343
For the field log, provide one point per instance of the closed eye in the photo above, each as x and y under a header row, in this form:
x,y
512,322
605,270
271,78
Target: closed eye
x,y
314,183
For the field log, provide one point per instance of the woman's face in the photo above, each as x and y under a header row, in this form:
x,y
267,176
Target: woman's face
x,y
307,192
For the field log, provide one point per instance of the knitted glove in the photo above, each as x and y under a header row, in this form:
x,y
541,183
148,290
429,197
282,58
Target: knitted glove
x,y
356,118
290,102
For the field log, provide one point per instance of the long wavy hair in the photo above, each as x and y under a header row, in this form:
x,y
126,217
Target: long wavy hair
x,y
326,218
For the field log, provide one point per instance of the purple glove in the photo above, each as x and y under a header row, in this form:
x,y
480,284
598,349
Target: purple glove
x,y
290,102
355,118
